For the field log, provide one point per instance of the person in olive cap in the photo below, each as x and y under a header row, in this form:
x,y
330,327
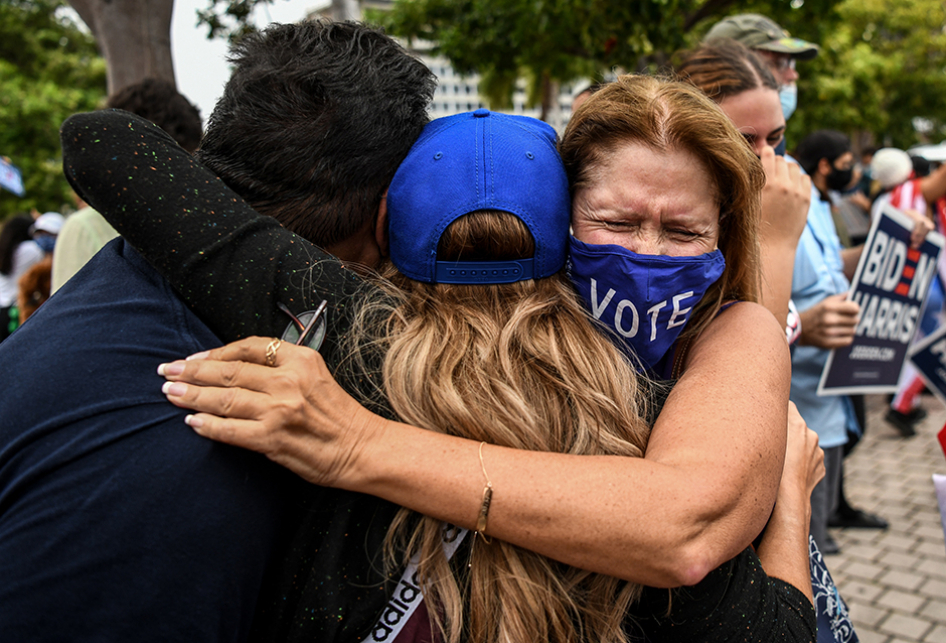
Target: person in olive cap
x,y
776,46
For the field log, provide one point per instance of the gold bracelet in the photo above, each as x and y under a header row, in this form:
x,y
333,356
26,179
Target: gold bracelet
x,y
487,498
484,510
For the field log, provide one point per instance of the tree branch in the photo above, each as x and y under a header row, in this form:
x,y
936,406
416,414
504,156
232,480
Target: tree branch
x,y
709,8
85,10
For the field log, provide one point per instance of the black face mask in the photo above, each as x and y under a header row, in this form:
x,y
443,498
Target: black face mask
x,y
839,179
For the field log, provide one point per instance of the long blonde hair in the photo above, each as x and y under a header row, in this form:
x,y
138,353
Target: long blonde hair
x,y
666,115
519,365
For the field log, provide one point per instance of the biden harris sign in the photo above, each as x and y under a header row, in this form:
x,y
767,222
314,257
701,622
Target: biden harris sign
x,y
890,285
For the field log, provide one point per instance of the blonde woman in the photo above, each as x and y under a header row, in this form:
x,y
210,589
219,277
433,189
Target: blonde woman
x,y
603,511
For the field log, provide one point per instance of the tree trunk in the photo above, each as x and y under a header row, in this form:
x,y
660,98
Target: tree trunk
x,y
346,10
861,140
551,111
134,37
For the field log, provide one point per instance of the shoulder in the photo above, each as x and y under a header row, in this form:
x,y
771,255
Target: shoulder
x,y
745,338
741,324
818,209
103,475
736,601
741,358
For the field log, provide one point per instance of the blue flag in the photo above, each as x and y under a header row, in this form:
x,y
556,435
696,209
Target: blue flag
x,y
10,178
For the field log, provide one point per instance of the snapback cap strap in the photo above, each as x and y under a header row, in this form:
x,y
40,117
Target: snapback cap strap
x,y
484,272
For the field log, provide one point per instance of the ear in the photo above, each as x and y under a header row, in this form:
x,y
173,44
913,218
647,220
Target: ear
x,y
825,167
381,225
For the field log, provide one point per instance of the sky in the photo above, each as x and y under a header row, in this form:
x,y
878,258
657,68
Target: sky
x,y
199,64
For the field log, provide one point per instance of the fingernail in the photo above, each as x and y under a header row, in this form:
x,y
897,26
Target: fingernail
x,y
174,389
193,421
174,368
200,355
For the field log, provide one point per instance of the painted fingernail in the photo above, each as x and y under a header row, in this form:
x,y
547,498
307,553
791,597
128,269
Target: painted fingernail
x,y
193,421
200,355
174,368
174,389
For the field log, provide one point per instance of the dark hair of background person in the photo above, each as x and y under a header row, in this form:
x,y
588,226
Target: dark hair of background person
x,y
161,103
822,144
14,232
725,68
34,287
315,120
586,93
592,88
921,166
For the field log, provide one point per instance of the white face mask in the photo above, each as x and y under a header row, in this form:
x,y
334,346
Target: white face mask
x,y
788,96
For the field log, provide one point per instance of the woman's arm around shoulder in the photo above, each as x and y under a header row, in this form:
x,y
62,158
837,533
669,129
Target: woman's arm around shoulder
x,y
228,262
701,494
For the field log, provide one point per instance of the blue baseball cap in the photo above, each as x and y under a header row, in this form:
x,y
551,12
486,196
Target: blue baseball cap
x,y
474,161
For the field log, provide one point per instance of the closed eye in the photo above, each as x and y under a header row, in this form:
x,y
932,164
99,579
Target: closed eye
x,y
622,225
775,137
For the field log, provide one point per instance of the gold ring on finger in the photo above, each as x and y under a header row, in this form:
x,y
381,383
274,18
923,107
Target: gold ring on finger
x,y
271,352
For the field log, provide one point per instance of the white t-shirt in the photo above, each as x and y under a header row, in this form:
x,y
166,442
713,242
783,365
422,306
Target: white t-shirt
x,y
26,255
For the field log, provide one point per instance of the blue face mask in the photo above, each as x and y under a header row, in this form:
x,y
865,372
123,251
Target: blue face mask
x,y
788,96
645,299
46,242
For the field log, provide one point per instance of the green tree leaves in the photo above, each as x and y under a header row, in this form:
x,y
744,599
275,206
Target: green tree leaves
x,y
538,40
882,65
49,69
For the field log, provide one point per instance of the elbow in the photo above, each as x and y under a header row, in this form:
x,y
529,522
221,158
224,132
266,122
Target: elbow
x,y
682,561
703,542
690,565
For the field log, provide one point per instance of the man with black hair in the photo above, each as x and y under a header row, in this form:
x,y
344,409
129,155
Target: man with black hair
x,y
86,231
311,128
116,521
828,320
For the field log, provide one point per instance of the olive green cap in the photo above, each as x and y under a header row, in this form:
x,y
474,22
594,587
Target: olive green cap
x,y
758,32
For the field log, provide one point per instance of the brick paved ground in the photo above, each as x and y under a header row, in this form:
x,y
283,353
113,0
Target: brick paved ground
x,y
895,581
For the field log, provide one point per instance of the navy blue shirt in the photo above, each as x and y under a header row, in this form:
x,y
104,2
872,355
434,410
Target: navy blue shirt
x,y
117,522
